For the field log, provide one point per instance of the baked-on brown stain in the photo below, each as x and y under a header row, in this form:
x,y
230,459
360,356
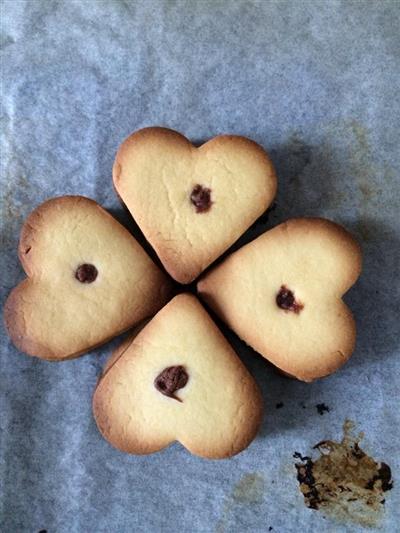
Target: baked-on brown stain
x,y
344,482
170,380
285,300
86,273
201,198
248,491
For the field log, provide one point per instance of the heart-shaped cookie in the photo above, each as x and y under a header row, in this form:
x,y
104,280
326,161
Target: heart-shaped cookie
x,y
282,294
88,280
192,203
179,379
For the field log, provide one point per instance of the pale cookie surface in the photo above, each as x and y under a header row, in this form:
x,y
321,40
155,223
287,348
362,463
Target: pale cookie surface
x,y
282,294
179,379
88,280
192,203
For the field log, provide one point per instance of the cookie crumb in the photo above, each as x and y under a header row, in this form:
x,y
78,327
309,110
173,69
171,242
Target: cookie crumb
x,y
322,408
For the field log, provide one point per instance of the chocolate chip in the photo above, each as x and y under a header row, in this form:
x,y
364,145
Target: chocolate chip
x,y
86,273
201,198
285,300
170,380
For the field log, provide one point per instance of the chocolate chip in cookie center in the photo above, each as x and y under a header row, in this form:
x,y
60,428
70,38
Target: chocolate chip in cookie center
x,y
286,300
86,273
201,198
170,380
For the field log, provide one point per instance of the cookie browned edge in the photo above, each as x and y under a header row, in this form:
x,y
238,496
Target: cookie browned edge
x,y
10,311
103,422
351,244
155,132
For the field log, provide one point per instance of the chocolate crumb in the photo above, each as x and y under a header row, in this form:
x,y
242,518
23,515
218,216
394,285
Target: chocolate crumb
x,y
357,451
320,444
384,475
279,405
201,198
297,455
86,273
285,300
321,408
170,380
307,482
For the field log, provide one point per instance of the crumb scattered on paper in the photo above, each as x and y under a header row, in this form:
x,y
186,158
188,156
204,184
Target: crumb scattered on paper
x,y
322,408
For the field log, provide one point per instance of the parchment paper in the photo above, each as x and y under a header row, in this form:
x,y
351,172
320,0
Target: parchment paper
x,y
317,84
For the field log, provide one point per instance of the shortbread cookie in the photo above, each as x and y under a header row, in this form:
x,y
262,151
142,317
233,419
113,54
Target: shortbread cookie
x,y
282,294
192,203
179,379
88,280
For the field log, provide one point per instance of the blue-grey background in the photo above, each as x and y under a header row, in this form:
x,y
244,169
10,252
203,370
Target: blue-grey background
x,y
317,84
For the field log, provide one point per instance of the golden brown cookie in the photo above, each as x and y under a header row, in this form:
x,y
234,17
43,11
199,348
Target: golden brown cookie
x,y
88,280
282,294
192,203
179,379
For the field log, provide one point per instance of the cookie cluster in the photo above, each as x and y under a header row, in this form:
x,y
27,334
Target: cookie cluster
x,y
176,377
